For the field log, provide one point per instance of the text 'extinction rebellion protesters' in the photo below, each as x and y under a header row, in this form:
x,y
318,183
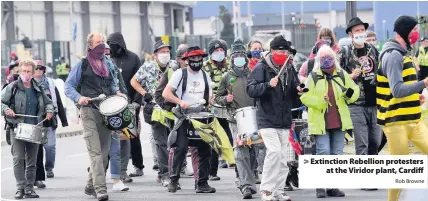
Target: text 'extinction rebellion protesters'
x,y
330,90
275,95
397,93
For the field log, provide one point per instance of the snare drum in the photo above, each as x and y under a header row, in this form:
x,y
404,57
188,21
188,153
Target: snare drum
x,y
116,112
246,120
30,133
203,117
220,111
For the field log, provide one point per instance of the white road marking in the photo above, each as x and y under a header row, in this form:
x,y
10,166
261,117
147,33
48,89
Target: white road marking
x,y
5,169
75,155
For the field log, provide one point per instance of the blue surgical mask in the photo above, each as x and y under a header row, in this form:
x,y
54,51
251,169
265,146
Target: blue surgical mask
x,y
256,54
218,56
239,61
327,41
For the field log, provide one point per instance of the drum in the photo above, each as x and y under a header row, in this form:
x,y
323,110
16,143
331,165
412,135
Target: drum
x,y
246,121
30,133
220,111
203,117
307,142
116,112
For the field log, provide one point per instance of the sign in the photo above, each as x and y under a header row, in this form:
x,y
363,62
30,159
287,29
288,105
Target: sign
x,y
217,25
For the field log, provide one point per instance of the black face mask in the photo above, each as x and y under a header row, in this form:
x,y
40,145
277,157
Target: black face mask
x,y
196,65
15,76
115,49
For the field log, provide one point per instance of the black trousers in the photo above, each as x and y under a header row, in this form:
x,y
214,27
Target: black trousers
x,y
40,168
160,135
214,159
136,152
180,150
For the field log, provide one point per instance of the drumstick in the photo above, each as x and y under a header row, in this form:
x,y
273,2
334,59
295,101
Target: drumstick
x,y
100,97
24,115
283,66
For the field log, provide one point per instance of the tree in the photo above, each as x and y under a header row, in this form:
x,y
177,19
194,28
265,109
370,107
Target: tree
x,y
227,33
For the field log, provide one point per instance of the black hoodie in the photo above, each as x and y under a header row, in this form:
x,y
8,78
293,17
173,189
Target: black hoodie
x,y
128,62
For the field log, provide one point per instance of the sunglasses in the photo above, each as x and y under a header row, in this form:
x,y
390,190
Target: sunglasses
x,y
40,67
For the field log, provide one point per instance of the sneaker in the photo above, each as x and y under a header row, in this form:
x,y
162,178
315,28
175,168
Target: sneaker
x,y
165,181
223,164
138,172
126,178
173,186
288,187
257,178
246,194
119,186
214,178
282,197
102,196
320,193
155,167
30,194
267,196
19,194
39,184
335,193
205,188
50,174
90,190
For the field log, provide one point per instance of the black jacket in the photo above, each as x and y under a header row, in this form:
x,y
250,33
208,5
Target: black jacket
x,y
273,104
128,62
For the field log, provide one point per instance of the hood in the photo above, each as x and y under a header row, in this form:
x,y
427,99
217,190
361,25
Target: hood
x,y
117,38
392,45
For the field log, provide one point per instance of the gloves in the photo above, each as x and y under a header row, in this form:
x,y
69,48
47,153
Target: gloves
x,y
349,92
147,97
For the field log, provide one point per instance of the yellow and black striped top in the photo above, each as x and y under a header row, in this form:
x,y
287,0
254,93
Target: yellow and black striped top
x,y
215,73
392,110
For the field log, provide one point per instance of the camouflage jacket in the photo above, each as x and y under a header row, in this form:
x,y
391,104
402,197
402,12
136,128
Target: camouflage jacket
x,y
150,73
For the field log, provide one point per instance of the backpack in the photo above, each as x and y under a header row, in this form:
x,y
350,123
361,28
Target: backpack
x,y
184,85
317,77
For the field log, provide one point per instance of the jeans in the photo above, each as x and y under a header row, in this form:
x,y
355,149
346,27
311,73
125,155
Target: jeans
x,y
24,162
275,165
180,151
260,151
398,144
98,142
153,146
50,149
125,153
214,158
160,136
332,143
115,156
367,133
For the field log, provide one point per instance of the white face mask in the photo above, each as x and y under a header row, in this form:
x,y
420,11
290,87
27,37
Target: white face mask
x,y
360,38
218,56
164,58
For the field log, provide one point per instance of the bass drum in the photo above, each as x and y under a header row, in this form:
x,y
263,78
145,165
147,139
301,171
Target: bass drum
x,y
307,142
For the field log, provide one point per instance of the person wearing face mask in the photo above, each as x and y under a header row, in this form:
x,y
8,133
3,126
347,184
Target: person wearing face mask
x,y
128,64
145,82
50,147
89,78
330,92
187,87
360,60
234,96
274,93
255,49
25,97
398,98
422,59
371,38
216,67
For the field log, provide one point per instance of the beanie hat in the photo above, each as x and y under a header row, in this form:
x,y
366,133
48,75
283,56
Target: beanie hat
x,y
279,43
404,25
216,43
238,46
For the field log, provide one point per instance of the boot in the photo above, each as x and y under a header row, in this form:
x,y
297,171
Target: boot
x,y
320,193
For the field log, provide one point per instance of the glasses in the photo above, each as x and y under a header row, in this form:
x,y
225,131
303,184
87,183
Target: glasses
x,y
39,68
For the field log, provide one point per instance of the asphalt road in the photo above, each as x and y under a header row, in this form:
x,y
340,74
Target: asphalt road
x,y
70,177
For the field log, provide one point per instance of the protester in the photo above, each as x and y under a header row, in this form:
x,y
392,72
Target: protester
x,y
145,81
194,93
330,90
397,94
360,60
85,82
422,59
275,94
128,64
255,49
371,38
25,97
62,69
181,49
50,147
234,96
216,66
